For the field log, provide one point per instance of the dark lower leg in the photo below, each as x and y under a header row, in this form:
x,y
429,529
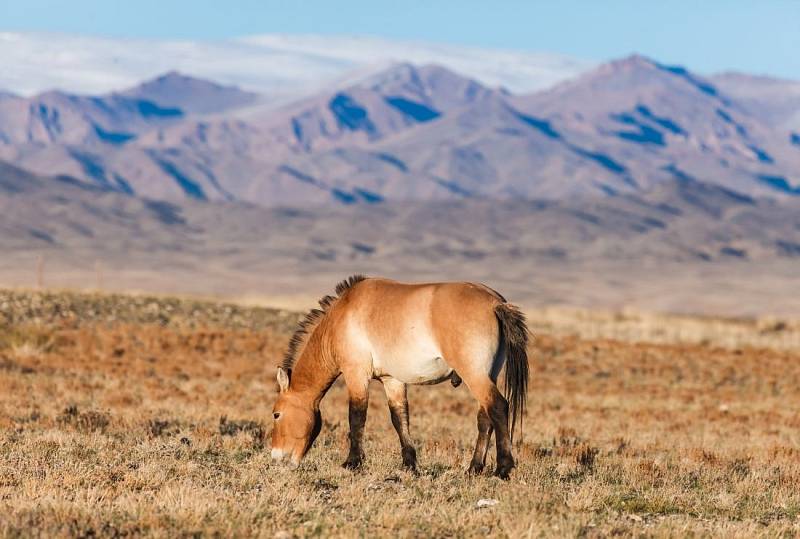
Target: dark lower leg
x,y
397,398
399,413
482,445
498,413
358,417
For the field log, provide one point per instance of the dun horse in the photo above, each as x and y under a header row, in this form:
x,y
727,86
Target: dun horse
x,y
403,334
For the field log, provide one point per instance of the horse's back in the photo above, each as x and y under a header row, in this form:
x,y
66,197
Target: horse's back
x,y
382,293
387,305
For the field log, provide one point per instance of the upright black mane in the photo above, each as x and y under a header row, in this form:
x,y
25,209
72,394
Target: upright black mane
x,y
313,317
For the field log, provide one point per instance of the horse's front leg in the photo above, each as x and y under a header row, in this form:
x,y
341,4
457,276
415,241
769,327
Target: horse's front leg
x,y
359,401
397,397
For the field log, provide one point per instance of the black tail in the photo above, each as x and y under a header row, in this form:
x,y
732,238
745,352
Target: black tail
x,y
514,336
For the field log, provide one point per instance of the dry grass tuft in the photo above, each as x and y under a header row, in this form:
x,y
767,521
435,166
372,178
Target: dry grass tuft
x,y
91,421
252,428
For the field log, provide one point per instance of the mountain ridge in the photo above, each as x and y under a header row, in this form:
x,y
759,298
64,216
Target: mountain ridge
x,y
190,94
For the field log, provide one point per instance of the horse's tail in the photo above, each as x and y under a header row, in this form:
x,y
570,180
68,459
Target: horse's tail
x,y
514,337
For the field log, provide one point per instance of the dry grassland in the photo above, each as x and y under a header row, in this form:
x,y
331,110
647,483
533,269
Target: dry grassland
x,y
123,417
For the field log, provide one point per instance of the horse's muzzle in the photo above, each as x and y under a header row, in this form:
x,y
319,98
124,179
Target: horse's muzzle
x,y
280,457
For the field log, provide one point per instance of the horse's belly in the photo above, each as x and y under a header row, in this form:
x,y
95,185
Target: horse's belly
x,y
413,365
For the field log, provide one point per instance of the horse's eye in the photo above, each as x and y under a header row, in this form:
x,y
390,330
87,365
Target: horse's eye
x,y
276,415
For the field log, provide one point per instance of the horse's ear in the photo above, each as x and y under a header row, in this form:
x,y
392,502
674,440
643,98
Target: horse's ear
x,y
283,379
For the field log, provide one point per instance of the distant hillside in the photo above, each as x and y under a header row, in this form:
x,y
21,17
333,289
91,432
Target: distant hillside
x,y
54,118
683,246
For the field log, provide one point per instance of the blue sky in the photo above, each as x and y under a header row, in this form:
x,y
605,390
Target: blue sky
x,y
758,36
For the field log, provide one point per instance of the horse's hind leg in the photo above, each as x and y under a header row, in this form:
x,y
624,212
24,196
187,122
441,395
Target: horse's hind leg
x,y
498,413
495,406
397,397
482,444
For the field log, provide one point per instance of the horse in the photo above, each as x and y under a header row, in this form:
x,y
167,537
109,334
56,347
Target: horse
x,y
401,334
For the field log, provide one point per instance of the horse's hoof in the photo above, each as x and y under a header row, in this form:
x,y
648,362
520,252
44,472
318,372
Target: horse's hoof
x,y
352,464
476,468
503,471
410,459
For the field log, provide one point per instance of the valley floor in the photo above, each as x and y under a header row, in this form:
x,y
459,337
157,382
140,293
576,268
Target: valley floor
x,y
733,289
128,416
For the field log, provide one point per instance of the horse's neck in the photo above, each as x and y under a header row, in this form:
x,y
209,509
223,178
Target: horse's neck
x,y
315,370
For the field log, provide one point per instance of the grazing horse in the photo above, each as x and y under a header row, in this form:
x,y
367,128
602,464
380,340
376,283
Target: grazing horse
x,y
403,334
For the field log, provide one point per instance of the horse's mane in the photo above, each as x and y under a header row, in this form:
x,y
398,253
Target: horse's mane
x,y
313,317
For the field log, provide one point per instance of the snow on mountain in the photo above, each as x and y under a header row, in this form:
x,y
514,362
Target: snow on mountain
x,y
518,71
277,65
777,101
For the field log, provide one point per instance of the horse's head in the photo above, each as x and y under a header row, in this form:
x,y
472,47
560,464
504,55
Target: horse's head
x,y
296,423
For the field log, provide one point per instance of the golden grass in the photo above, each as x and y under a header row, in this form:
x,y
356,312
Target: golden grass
x,y
632,325
120,428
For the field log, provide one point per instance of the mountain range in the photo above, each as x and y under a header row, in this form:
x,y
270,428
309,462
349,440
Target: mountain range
x,y
635,181
407,133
